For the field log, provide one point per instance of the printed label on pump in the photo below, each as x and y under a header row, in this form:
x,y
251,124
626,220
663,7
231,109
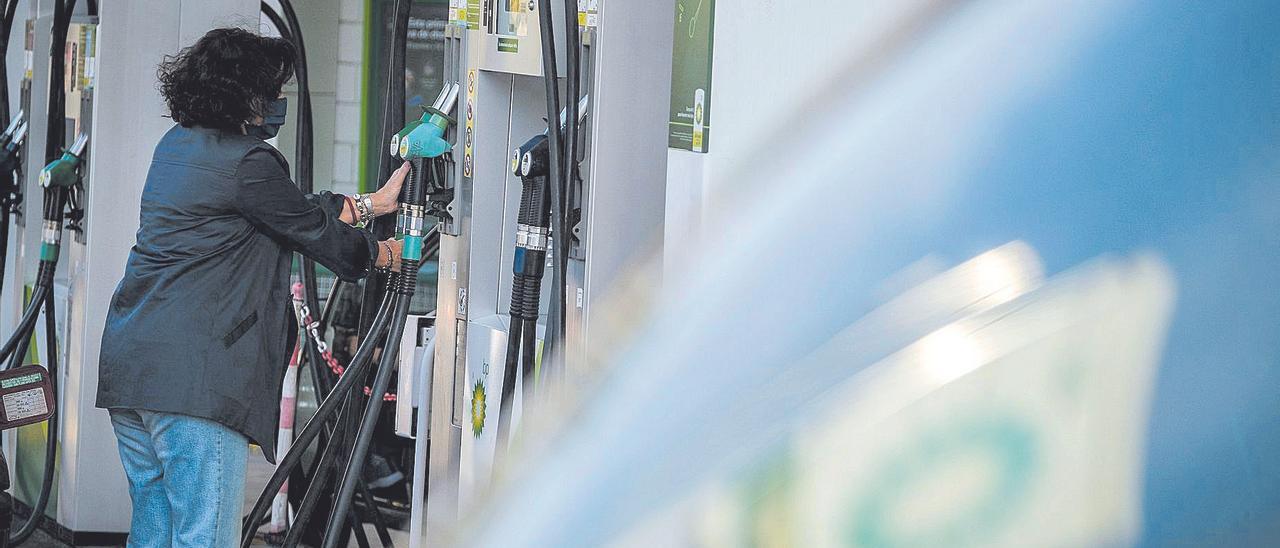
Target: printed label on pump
x,y
469,136
473,14
25,404
457,12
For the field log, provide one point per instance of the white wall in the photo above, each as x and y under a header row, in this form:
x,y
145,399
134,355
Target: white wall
x,y
769,57
350,46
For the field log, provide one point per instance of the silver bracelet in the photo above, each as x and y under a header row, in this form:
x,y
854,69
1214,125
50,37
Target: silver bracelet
x,y
364,208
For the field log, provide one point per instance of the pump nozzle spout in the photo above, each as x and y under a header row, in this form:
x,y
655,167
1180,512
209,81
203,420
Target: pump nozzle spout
x,y
19,135
77,148
17,120
448,98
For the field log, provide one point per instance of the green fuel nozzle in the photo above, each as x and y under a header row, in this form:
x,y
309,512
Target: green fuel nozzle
x,y
65,171
12,142
426,140
424,137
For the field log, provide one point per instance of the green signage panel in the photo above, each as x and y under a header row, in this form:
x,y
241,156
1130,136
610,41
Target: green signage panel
x,y
689,127
473,14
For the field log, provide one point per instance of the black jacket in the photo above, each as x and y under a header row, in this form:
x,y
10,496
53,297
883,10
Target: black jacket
x,y
202,322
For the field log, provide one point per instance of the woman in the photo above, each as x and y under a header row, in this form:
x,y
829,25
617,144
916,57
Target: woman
x,y
194,349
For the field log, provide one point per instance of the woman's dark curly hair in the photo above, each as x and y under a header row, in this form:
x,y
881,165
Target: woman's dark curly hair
x,y
226,78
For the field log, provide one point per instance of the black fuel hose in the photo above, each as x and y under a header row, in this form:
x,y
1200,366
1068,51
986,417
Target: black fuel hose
x,y
346,393
311,499
51,439
318,422
305,150
528,266
26,324
556,311
55,197
15,349
524,218
573,92
355,463
55,140
54,200
413,199
305,146
393,107
277,22
290,29
536,264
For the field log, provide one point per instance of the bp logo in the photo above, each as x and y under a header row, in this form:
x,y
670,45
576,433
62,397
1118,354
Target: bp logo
x,y
477,408
1008,445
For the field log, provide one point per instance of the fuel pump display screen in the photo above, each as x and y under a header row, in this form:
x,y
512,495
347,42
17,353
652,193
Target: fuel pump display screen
x,y
512,18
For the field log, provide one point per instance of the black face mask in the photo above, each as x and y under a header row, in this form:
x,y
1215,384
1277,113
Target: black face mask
x,y
272,118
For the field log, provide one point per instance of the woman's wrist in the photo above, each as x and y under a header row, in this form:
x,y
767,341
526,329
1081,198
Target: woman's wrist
x,y
388,256
384,256
349,214
381,206
364,208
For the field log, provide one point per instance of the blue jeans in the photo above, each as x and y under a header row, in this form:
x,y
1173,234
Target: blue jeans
x,y
186,478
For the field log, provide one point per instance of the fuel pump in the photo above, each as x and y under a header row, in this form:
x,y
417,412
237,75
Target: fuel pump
x,y
531,162
348,430
10,163
61,182
600,174
10,175
58,179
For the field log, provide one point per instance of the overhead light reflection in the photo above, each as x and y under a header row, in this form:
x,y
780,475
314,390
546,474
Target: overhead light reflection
x,y
948,354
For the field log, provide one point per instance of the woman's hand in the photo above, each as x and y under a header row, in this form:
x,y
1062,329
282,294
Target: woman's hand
x,y
387,199
389,254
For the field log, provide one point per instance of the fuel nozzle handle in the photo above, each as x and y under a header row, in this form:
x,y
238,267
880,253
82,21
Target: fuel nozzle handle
x,y
9,151
424,138
18,137
532,158
19,121
65,171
